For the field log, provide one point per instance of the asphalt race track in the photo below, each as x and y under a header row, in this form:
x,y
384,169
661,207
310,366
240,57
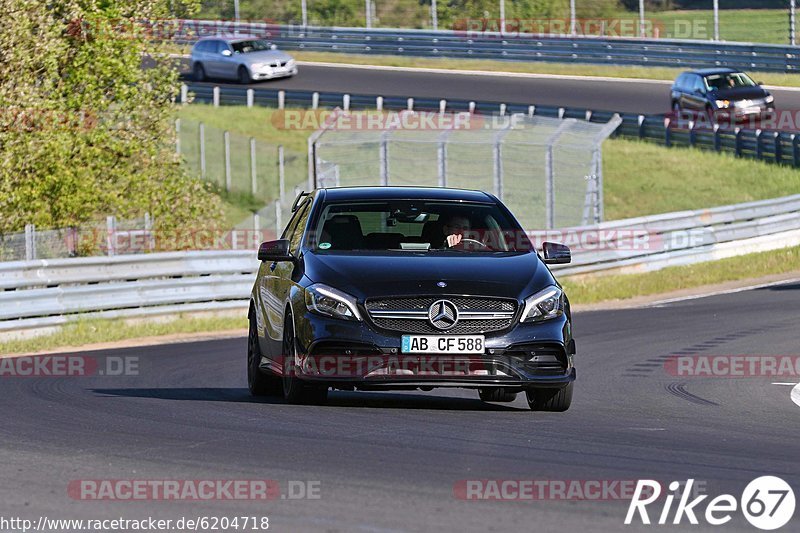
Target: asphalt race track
x,y
624,96
390,461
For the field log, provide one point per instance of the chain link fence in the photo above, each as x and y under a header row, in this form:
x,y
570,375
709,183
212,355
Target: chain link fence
x,y
548,171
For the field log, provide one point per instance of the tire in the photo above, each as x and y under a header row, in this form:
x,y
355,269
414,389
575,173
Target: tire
x,y
259,383
496,394
244,75
198,72
553,400
295,390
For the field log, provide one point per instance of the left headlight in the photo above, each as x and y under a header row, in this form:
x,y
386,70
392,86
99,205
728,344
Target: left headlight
x,y
328,301
544,305
259,66
769,99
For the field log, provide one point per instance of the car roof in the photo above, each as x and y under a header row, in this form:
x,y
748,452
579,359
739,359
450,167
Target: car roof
x,y
229,38
710,71
405,193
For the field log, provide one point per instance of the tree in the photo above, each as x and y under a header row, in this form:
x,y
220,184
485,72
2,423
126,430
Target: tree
x,y
85,131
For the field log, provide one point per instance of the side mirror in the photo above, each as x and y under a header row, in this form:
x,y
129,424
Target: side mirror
x,y
275,251
227,53
555,253
759,83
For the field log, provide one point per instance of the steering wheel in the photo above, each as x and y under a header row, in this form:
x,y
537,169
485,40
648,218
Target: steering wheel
x,y
473,241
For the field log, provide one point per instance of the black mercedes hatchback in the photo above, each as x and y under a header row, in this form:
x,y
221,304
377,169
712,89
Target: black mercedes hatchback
x,y
404,288
720,92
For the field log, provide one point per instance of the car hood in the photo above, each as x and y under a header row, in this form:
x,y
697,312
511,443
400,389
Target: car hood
x,y
741,93
265,56
364,276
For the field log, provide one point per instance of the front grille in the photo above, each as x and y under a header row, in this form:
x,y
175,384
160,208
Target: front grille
x,y
499,313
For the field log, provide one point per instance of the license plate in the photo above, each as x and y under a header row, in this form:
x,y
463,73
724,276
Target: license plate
x,y
442,344
752,110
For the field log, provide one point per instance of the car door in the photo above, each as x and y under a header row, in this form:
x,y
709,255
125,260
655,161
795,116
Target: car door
x,y
213,62
228,65
696,96
277,280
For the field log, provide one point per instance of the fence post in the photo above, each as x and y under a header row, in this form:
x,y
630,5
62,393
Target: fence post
x,y
202,133
148,230
441,156
281,174
250,97
253,173
792,22
278,217
215,96
177,136
184,93
30,242
227,138
384,159
111,232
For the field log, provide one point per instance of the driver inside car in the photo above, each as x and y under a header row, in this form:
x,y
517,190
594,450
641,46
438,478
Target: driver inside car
x,y
454,229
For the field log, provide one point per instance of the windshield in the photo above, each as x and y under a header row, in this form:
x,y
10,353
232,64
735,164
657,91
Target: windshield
x,y
418,226
245,47
729,81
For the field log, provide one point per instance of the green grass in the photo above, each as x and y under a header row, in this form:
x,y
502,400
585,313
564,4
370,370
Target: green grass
x,y
642,178
91,331
569,69
743,25
594,289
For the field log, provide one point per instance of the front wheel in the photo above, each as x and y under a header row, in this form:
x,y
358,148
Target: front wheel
x,y
295,390
549,399
244,75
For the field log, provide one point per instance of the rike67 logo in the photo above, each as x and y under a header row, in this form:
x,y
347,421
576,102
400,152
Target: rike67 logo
x,y
767,503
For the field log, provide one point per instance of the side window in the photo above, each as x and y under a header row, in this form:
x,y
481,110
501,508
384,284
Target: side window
x,y
699,84
289,229
221,45
297,233
680,83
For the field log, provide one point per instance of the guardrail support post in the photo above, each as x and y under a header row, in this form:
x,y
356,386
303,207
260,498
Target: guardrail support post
x,y
250,97
692,134
226,136
253,174
795,150
642,119
379,103
472,107
410,104
215,96
442,106
30,242
184,94
667,132
738,142
502,110
314,100
778,147
759,147
346,102
281,99
717,139
531,110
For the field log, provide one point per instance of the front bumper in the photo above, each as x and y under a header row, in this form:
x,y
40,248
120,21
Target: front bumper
x,y
272,73
349,354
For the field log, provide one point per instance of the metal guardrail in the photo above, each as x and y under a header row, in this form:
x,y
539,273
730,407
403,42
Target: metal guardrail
x,y
46,293
514,47
772,146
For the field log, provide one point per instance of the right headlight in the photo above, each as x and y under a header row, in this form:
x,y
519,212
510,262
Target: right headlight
x,y
723,104
325,300
544,305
